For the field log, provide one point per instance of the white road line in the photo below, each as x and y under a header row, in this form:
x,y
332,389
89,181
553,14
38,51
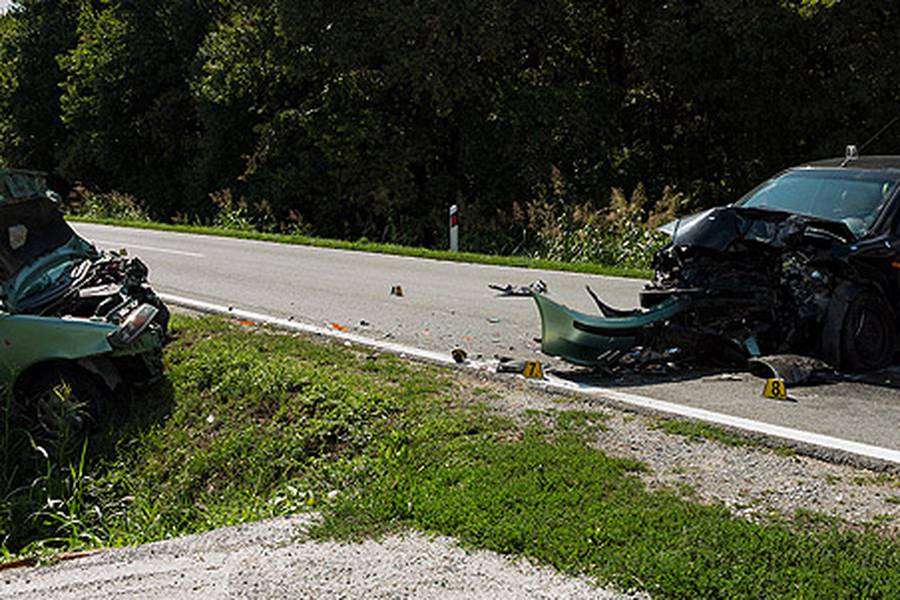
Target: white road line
x,y
806,438
149,248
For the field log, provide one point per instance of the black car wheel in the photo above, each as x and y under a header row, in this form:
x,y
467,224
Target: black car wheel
x,y
868,333
58,407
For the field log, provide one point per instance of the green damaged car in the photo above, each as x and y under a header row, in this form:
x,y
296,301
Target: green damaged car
x,y
71,315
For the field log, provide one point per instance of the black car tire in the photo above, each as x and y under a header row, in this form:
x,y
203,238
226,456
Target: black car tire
x,y
58,419
868,333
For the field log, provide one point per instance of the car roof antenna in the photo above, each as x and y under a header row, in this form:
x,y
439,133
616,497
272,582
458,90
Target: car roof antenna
x,y
852,152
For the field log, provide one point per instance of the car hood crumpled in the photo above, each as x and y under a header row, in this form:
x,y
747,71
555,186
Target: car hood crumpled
x,y
718,228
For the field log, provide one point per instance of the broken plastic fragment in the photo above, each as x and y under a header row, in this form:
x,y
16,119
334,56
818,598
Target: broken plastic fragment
x,y
18,236
608,311
752,346
510,366
791,368
459,355
535,287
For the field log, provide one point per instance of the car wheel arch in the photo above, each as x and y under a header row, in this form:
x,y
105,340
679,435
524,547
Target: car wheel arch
x,y
846,295
102,371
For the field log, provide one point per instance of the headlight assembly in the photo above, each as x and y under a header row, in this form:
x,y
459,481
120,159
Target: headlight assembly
x,y
133,326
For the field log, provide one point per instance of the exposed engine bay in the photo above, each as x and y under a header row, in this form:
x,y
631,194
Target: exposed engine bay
x,y
69,311
768,276
108,286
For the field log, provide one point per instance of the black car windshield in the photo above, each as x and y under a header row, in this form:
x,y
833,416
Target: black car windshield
x,y
854,197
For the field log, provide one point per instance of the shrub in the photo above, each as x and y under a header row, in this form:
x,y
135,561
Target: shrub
x,y
624,233
109,205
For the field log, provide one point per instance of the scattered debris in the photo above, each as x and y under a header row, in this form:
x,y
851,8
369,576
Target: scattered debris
x,y
508,365
530,369
792,369
397,291
338,327
724,377
493,320
536,287
364,323
459,355
30,562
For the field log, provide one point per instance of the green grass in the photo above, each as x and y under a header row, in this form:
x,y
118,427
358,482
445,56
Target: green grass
x,y
563,503
395,249
254,424
698,431
248,426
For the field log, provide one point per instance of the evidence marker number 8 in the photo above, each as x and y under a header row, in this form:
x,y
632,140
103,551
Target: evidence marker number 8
x,y
775,389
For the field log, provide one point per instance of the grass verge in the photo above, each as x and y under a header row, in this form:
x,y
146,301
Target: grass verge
x,y
698,431
254,424
394,249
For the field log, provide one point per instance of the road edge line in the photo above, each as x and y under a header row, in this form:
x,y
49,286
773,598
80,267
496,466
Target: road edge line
x,y
803,440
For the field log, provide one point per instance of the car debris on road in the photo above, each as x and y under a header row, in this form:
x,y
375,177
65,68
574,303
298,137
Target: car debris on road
x,y
69,313
536,287
805,265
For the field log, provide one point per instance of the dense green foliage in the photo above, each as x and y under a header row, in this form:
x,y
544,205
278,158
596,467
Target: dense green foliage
x,y
370,118
254,423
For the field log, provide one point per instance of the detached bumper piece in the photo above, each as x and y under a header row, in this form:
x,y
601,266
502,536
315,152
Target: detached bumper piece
x,y
584,339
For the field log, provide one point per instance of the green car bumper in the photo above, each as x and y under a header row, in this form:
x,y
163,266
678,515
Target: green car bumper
x,y
28,340
582,339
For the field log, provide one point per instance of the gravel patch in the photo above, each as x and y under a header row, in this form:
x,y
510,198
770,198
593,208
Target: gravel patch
x,y
269,560
752,480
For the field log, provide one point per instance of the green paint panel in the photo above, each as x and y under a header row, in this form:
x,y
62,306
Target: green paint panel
x,y
580,338
26,340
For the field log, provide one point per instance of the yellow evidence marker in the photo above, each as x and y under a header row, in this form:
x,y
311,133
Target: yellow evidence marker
x,y
533,370
775,389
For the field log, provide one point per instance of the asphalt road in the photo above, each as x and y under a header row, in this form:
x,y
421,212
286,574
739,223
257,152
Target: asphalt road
x,y
447,305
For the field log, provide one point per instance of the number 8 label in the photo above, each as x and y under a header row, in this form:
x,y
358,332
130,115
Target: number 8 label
x,y
776,389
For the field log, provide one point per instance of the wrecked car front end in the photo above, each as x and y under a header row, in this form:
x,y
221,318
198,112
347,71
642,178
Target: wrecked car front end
x,y
805,264
69,311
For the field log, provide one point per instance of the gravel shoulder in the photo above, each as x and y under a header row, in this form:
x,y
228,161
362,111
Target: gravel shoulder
x,y
754,481
269,560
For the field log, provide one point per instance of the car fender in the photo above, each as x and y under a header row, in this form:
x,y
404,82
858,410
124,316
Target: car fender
x,y
26,340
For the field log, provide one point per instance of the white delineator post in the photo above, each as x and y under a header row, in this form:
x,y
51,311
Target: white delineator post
x,y
454,228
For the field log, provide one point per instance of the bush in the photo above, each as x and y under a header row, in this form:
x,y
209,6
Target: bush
x,y
109,205
624,233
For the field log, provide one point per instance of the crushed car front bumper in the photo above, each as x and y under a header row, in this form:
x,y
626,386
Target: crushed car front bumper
x,y
585,340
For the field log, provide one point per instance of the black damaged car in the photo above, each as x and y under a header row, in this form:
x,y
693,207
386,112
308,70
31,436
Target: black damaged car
x,y
806,263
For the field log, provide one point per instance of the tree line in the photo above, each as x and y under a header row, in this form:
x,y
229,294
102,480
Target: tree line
x,y
369,118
